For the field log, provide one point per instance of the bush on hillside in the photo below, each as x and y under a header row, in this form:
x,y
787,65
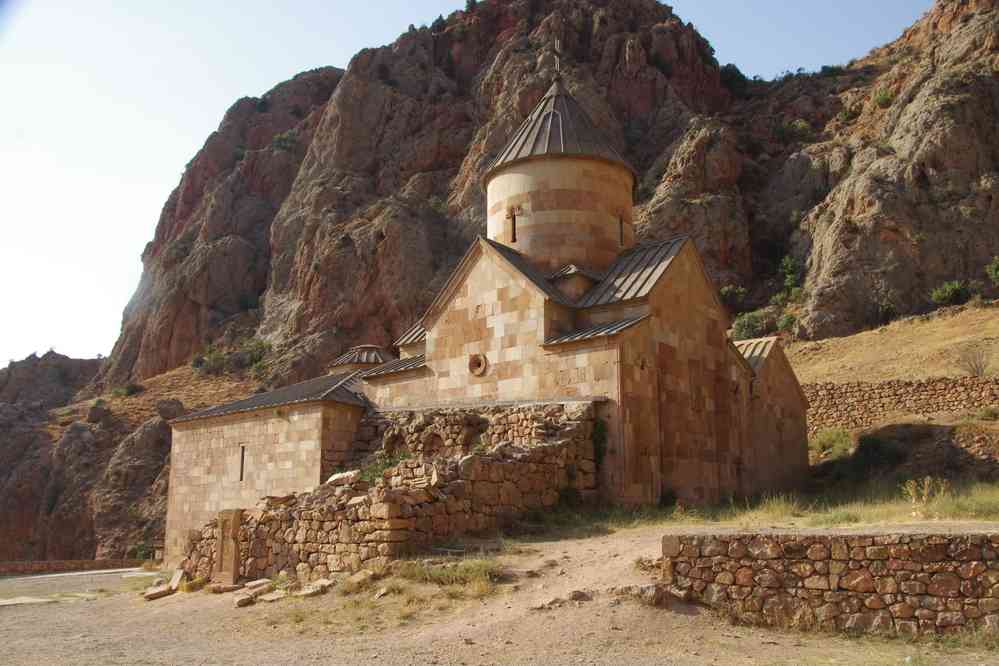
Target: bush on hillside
x,y
733,296
734,80
953,292
786,322
992,270
750,325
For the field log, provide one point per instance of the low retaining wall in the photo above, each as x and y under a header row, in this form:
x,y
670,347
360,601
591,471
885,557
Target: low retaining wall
x,y
60,566
860,404
906,584
347,524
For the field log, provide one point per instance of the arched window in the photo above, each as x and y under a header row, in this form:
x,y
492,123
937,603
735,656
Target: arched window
x,y
513,225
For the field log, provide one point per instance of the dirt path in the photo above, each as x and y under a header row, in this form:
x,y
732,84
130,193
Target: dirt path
x,y
203,628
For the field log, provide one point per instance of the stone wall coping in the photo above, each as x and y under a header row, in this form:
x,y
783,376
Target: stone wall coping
x,y
907,529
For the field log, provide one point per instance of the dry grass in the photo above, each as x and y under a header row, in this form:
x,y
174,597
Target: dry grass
x,y
912,349
411,592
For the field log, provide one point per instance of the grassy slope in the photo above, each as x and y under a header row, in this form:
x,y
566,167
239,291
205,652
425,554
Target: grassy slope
x,y
914,348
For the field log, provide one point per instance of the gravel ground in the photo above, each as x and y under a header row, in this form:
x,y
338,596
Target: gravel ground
x,y
201,628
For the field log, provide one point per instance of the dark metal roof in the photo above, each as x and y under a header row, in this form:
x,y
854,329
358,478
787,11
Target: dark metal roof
x,y
633,273
399,365
756,351
364,355
572,269
558,125
523,264
415,334
603,330
331,388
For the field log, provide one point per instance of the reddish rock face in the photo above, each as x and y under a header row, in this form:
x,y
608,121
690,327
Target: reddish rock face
x,y
328,212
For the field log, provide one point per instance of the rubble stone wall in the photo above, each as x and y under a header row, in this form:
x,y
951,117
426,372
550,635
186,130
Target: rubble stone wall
x,y
860,404
469,471
906,584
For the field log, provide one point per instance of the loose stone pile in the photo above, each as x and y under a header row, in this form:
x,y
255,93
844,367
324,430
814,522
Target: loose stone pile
x,y
349,523
891,584
860,404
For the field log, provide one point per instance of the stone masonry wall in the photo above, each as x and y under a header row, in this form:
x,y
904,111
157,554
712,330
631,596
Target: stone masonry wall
x,y
524,459
858,405
906,584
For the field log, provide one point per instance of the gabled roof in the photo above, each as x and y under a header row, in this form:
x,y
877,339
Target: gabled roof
x,y
524,267
572,269
558,125
397,366
330,388
634,273
756,351
364,355
415,334
603,330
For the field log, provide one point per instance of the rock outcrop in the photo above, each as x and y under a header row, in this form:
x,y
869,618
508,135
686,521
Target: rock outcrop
x,y
45,381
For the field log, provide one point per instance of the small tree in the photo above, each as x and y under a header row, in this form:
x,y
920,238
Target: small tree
x,y
470,5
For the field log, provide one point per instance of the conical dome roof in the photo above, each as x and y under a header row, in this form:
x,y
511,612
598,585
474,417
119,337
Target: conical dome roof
x,y
558,125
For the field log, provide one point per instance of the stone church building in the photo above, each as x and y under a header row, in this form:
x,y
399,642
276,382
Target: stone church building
x,y
557,304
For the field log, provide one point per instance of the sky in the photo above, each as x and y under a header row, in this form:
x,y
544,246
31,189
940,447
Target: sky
x,y
105,102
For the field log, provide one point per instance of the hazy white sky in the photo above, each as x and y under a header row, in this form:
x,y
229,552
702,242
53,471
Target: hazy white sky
x,y
105,102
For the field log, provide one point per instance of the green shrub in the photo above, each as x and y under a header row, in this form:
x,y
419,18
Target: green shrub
x,y
796,295
786,322
790,269
779,299
128,390
375,470
953,292
848,115
733,296
884,98
796,130
992,270
285,140
263,105
832,70
749,325
830,444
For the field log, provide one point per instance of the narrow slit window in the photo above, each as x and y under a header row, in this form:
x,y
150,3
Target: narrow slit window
x,y
242,462
620,230
513,226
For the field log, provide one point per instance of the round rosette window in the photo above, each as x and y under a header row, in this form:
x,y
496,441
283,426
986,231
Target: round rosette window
x,y
477,364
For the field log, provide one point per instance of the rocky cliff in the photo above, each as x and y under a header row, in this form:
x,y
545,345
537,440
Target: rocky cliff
x,y
327,212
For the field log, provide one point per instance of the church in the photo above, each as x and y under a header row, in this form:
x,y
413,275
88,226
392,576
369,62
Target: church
x,y
557,303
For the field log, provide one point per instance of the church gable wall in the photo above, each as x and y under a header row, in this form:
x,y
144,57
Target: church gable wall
x,y
684,398
779,424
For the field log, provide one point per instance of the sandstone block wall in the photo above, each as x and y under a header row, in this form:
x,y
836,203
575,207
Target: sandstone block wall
x,y
348,523
860,404
906,584
230,462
